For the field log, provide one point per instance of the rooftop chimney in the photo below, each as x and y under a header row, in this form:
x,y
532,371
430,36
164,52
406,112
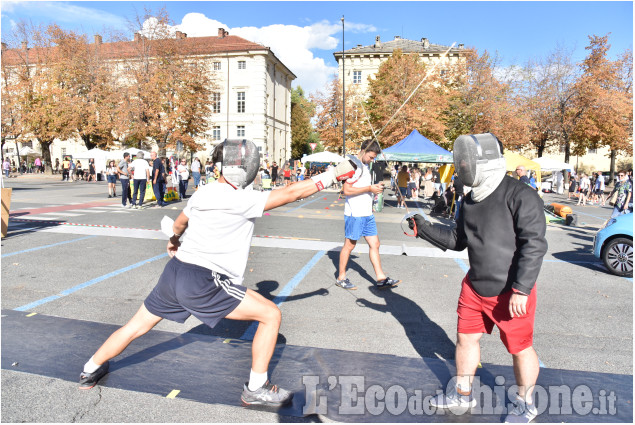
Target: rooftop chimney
x,y
222,33
97,39
4,45
180,35
461,46
397,37
137,37
425,43
24,45
377,41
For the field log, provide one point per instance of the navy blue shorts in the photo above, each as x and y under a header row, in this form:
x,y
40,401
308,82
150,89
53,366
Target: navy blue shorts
x,y
111,179
358,227
187,289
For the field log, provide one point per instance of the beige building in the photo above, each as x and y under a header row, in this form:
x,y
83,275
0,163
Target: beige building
x,y
362,62
252,101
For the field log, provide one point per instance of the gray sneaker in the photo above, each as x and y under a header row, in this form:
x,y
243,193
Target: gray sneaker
x,y
346,284
522,413
267,395
455,402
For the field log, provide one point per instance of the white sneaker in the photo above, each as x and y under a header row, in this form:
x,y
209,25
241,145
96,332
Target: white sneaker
x,y
456,403
522,413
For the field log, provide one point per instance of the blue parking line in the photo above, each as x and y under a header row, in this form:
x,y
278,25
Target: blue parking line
x,y
462,264
304,204
285,292
69,291
45,246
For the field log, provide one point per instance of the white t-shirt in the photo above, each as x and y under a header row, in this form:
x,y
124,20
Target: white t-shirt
x,y
221,223
360,205
182,169
140,166
196,167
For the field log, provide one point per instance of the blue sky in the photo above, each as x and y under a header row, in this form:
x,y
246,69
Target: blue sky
x,y
304,35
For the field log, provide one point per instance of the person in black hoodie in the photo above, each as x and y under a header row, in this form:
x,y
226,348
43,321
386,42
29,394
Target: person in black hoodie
x,y
501,222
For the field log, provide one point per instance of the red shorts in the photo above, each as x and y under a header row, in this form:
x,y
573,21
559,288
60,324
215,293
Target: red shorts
x,y
479,314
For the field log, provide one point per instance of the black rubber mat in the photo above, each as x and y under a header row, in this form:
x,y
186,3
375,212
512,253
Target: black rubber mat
x,y
341,385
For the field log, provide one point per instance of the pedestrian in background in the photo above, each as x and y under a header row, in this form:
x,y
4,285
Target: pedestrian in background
x,y
184,175
111,177
158,179
92,173
402,184
196,172
6,167
124,178
624,189
66,167
140,175
585,184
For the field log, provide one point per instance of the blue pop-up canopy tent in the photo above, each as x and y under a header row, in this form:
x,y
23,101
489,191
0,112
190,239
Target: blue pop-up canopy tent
x,y
416,148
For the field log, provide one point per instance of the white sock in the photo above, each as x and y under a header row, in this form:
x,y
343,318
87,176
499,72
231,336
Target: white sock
x,y
256,380
91,366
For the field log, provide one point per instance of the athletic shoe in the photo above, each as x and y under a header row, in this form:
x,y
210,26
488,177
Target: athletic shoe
x,y
346,284
267,395
387,283
89,380
523,413
455,402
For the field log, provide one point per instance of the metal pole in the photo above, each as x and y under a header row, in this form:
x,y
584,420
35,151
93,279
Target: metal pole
x,y
343,95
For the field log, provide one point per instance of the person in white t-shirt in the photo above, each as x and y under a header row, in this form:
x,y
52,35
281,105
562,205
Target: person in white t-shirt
x,y
585,186
359,220
204,276
196,172
140,174
184,175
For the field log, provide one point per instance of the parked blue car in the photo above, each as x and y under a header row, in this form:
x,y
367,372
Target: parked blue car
x,y
614,245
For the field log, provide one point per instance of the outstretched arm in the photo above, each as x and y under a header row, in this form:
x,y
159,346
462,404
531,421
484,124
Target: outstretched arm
x,y
305,188
443,237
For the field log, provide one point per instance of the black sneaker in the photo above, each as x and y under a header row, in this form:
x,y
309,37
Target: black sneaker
x,y
267,395
89,380
346,284
387,283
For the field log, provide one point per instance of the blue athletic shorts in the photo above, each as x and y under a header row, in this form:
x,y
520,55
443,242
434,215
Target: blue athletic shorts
x,y
358,227
187,289
111,179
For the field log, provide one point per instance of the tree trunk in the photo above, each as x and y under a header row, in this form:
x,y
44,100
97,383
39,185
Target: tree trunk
x,y
88,141
612,170
46,155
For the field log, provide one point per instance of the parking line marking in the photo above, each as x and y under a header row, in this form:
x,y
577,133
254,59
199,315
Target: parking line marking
x,y
69,291
31,314
45,246
173,394
286,291
462,264
302,205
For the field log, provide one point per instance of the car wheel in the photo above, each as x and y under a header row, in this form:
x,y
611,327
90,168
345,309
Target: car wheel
x,y
618,256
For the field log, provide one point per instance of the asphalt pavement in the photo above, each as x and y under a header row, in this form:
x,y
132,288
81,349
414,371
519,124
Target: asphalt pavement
x,y
71,252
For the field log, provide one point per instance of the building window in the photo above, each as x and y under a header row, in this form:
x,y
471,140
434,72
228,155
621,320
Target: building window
x,y
242,65
216,132
593,151
241,102
216,66
357,77
562,148
63,152
216,103
240,131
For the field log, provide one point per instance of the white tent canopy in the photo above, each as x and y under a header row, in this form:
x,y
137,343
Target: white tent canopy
x,y
27,151
132,151
322,157
548,164
100,156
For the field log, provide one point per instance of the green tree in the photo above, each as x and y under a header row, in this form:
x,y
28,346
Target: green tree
x,y
301,128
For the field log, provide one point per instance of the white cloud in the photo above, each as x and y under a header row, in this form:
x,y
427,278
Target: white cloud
x,y
292,44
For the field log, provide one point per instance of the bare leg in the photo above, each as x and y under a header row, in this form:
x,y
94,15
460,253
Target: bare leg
x,y
468,354
526,369
375,260
345,254
140,324
256,307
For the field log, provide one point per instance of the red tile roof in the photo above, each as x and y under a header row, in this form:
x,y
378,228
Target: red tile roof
x,y
187,46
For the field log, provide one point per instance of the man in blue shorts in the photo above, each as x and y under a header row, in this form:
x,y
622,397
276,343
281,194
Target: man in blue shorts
x,y
359,220
205,274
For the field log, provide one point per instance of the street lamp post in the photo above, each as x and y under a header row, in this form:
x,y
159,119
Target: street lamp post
x,y
343,95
